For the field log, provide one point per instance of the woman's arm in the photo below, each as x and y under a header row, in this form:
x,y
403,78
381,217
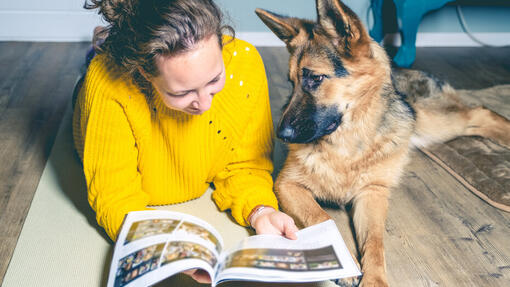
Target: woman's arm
x,y
110,154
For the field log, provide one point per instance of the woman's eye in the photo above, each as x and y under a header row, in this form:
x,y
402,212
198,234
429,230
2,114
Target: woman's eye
x,y
177,95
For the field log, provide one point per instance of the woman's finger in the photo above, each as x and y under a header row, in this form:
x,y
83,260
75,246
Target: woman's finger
x,y
201,276
290,229
198,275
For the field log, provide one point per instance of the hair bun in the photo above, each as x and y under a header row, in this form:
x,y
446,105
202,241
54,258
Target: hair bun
x,y
114,12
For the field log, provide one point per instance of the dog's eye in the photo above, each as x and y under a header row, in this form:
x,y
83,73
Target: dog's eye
x,y
318,78
312,82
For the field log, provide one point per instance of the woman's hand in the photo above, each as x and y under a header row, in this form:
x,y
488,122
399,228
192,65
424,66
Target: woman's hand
x,y
271,221
199,275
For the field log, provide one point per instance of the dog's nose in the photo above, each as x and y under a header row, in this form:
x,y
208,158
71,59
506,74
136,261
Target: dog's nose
x,y
287,134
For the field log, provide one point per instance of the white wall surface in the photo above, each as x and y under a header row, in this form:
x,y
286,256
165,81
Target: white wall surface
x,y
39,20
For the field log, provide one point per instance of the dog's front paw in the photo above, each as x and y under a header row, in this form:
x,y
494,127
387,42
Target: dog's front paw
x,y
347,282
373,281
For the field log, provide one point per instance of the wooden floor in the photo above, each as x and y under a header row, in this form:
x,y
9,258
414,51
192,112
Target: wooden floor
x,y
438,233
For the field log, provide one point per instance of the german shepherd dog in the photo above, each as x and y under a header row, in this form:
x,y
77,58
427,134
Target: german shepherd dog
x,y
350,123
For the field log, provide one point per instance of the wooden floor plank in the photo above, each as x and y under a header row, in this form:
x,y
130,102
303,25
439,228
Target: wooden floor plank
x,y
451,236
466,68
11,63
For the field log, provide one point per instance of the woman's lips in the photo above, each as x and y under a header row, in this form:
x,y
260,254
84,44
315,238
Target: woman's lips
x,y
195,111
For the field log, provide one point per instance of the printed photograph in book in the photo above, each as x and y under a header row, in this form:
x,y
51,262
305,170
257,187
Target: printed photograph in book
x,y
191,229
179,250
137,264
146,228
289,260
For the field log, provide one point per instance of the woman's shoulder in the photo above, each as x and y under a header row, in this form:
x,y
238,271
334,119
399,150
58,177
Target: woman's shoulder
x,y
241,53
244,65
230,43
104,78
246,83
104,65
103,69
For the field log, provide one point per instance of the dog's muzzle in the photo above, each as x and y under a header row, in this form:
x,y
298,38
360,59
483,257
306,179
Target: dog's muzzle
x,y
308,129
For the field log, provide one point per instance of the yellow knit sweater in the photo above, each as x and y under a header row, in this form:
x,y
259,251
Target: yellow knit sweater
x,y
136,152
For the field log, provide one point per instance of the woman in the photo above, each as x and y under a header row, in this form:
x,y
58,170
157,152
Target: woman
x,y
169,106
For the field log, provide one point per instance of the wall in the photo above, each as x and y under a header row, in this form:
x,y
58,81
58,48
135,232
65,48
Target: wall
x,y
66,20
55,20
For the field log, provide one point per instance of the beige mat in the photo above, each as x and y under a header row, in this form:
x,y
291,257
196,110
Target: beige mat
x,y
61,244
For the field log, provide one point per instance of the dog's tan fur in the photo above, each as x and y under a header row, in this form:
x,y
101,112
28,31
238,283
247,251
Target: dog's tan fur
x,y
363,159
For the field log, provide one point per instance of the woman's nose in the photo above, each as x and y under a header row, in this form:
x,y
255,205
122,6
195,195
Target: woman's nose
x,y
205,100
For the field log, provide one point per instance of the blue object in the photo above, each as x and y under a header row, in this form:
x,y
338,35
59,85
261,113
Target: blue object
x,y
409,15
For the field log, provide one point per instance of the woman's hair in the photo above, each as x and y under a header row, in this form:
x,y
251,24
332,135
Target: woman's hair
x,y
140,31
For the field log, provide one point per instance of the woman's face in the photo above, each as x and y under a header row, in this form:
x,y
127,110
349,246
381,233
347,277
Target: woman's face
x,y
187,82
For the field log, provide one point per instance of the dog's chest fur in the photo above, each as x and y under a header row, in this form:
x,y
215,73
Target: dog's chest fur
x,y
338,172
329,172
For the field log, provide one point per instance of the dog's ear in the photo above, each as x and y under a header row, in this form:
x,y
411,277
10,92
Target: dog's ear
x,y
340,22
285,28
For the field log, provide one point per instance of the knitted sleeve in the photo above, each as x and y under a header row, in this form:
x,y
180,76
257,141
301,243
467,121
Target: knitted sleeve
x,y
246,181
109,153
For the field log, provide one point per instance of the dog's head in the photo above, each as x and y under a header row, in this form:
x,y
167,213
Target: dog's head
x,y
334,65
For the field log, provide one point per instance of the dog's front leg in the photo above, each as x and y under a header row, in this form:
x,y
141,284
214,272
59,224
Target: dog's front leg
x,y
299,203
370,209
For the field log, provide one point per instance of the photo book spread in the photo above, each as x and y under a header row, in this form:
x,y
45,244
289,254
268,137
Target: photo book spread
x,y
153,245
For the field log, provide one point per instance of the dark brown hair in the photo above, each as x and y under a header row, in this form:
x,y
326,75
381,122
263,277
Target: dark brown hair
x,y
140,31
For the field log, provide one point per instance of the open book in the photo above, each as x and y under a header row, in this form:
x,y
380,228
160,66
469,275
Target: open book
x,y
153,245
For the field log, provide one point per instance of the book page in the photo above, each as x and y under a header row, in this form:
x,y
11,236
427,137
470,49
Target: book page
x,y
318,254
153,245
